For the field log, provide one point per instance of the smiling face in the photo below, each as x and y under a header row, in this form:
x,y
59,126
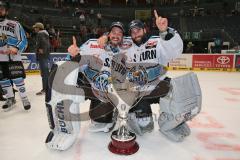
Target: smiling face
x,y
137,34
116,36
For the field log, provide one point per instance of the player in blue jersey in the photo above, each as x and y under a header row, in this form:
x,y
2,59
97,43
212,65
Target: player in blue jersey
x,y
13,42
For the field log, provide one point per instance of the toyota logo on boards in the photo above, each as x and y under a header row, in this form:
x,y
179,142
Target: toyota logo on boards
x,y
223,60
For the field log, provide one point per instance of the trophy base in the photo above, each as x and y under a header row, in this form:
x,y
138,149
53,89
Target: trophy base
x,y
126,147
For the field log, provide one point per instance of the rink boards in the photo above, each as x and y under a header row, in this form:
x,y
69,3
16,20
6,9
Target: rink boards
x,y
197,62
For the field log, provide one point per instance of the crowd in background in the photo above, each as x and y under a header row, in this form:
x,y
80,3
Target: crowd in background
x,y
90,21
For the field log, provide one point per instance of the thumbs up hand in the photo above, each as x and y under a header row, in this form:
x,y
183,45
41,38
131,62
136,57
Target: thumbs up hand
x,y
73,49
162,23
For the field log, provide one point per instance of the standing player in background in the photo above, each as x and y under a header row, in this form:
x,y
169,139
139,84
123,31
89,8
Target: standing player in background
x,y
12,43
42,53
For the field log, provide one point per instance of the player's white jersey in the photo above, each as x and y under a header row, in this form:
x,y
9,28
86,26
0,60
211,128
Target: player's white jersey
x,y
97,64
154,54
11,34
156,50
95,56
151,58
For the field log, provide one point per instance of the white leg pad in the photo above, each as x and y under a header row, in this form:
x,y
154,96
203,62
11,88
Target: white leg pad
x,y
182,103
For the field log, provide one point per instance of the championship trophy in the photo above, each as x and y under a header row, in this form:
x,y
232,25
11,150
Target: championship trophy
x,y
125,88
124,94
123,141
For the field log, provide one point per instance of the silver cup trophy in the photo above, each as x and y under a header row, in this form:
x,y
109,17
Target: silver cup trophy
x,y
124,90
124,95
123,141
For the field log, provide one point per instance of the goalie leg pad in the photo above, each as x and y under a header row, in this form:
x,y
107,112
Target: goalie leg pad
x,y
62,110
178,133
182,103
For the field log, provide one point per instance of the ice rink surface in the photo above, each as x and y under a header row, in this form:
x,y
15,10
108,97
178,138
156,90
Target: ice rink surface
x,y
215,132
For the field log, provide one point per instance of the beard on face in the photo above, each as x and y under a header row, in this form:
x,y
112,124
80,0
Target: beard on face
x,y
115,40
138,35
2,17
138,40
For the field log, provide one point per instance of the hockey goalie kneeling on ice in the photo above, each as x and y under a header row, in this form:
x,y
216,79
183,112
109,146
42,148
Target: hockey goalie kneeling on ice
x,y
63,99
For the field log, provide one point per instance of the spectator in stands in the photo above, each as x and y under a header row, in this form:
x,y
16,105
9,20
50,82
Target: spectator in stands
x,y
55,43
42,53
52,31
189,48
99,19
59,38
195,11
60,2
218,44
91,13
83,33
74,2
56,3
95,32
82,19
149,2
76,13
82,3
100,31
236,46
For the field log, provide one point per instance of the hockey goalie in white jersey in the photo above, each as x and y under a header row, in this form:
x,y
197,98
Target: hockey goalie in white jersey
x,y
179,98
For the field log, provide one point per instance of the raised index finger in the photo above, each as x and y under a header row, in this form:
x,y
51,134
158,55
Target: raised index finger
x,y
74,41
156,14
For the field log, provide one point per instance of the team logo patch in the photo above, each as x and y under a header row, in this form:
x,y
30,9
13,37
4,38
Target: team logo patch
x,y
138,75
151,44
95,46
126,45
10,24
3,40
22,89
101,80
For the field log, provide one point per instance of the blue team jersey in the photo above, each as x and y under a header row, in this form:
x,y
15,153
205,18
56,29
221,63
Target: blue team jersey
x,y
12,34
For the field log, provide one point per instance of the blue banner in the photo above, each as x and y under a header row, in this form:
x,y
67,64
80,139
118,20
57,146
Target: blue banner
x,y
30,64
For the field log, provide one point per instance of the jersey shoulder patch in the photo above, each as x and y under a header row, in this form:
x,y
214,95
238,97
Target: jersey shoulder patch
x,y
151,43
92,44
11,23
90,47
126,44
